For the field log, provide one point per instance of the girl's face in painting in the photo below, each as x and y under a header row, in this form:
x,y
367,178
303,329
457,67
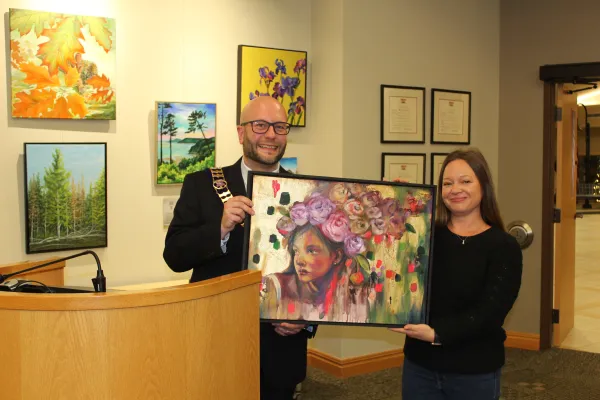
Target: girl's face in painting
x,y
312,257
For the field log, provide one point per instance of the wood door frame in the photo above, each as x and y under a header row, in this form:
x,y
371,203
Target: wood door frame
x,y
551,75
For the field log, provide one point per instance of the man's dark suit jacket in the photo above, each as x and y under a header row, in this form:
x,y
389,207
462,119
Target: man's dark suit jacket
x,y
194,241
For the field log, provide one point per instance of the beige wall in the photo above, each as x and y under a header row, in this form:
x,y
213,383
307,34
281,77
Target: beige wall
x,y
533,33
433,44
182,50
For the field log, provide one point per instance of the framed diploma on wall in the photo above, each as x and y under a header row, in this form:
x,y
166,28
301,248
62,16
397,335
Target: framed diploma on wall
x,y
450,116
437,159
402,114
409,167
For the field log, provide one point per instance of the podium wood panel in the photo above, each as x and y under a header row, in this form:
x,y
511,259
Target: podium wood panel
x,y
51,275
143,345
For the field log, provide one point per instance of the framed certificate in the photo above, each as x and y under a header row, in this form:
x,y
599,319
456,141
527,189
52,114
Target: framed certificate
x,y
450,116
437,159
409,167
402,114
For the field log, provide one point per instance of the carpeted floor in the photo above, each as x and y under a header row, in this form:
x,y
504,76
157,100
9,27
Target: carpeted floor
x,y
555,374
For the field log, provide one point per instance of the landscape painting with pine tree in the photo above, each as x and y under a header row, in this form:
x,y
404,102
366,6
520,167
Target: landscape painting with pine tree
x,y
186,134
65,186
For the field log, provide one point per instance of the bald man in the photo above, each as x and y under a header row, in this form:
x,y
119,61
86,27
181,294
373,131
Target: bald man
x,y
206,235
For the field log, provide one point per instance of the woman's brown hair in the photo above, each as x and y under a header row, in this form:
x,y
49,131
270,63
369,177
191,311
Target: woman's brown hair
x,y
489,205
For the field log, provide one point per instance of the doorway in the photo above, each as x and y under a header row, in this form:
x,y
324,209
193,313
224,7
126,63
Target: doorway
x,y
559,198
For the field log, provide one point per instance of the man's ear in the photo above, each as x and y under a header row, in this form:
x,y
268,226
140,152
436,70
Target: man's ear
x,y
241,132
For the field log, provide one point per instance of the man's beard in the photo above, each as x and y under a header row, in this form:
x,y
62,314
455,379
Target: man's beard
x,y
252,153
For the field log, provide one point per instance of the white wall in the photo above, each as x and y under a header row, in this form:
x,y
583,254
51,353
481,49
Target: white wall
x,y
181,50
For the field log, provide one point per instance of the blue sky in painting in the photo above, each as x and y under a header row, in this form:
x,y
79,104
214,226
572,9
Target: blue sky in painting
x,y
290,163
183,110
85,160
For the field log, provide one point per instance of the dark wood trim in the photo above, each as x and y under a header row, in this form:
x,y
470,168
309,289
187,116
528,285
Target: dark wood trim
x,y
547,234
570,73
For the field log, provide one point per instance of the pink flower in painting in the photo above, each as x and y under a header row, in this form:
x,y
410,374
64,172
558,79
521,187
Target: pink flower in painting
x,y
396,227
359,226
353,245
413,287
355,188
319,208
411,267
378,226
379,287
285,225
373,213
370,199
354,209
299,213
389,207
339,193
337,226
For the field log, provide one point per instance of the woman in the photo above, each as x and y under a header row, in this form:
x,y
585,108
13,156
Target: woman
x,y
476,276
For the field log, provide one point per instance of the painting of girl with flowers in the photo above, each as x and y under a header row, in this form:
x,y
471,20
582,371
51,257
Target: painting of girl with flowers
x,y
277,73
340,252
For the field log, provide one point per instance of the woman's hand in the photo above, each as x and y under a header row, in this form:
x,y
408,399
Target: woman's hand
x,y
286,329
420,331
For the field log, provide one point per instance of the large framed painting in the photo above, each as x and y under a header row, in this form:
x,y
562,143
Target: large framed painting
x,y
62,66
185,137
65,196
280,73
339,251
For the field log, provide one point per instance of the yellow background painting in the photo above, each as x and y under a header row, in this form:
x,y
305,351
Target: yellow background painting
x,y
273,72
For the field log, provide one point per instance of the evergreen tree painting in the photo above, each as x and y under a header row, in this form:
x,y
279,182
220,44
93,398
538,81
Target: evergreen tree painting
x,y
66,196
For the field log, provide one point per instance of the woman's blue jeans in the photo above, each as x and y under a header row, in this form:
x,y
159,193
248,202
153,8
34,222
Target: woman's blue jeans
x,y
420,383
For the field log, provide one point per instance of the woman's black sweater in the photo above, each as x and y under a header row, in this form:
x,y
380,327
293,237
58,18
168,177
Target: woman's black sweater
x,y
473,287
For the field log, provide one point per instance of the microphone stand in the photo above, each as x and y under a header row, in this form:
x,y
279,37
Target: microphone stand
x,y
99,281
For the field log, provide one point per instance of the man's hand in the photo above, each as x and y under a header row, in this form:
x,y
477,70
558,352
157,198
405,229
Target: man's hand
x,y
287,329
234,212
420,331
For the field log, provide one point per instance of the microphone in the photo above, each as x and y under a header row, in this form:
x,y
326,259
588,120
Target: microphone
x,y
99,281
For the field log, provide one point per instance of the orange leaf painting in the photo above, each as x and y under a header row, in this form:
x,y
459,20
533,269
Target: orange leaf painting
x,y
72,106
62,65
64,42
38,76
15,54
72,77
38,103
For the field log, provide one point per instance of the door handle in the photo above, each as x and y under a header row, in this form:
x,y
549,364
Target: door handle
x,y
578,215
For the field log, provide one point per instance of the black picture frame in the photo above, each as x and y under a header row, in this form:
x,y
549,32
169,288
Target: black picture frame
x,y
450,96
78,208
280,54
407,91
408,157
259,231
432,164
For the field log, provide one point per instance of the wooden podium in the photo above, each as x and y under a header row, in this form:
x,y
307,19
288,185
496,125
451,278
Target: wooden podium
x,y
194,341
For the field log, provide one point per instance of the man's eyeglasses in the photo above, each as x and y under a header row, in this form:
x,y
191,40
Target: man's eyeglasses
x,y
260,127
